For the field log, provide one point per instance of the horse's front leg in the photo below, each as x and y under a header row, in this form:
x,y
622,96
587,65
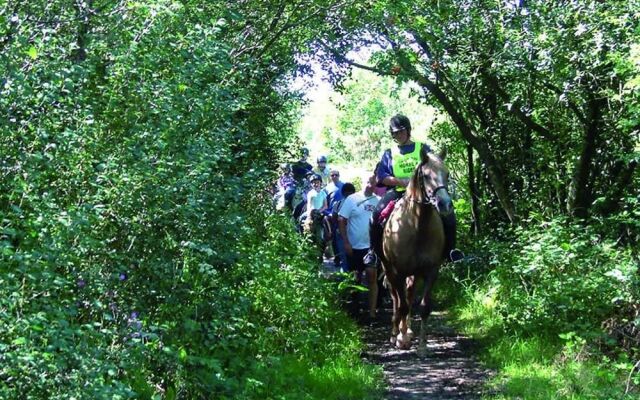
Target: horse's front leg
x,y
403,339
425,309
394,319
411,291
394,284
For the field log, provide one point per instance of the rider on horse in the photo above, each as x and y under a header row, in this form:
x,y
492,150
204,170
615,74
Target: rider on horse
x,y
394,170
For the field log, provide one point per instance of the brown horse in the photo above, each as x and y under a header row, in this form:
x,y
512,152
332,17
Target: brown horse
x,y
413,245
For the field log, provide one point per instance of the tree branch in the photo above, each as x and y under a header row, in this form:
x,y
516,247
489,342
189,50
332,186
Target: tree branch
x,y
516,110
572,106
422,43
493,167
288,25
343,59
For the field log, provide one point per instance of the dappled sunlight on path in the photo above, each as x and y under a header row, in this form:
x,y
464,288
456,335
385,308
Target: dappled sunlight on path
x,y
449,371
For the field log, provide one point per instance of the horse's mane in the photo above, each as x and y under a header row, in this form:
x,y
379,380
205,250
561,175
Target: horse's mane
x,y
413,190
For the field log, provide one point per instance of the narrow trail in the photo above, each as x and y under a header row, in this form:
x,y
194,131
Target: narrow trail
x,y
448,371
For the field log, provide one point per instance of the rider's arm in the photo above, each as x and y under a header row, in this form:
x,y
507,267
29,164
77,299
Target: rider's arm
x,y
343,218
384,167
393,181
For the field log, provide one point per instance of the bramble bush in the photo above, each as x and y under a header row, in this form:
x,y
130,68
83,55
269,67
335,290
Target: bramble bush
x,y
561,276
555,276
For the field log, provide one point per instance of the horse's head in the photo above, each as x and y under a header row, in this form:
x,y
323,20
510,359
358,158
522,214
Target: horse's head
x,y
429,183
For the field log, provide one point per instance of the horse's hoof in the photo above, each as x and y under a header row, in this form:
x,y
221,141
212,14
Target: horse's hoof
x,y
403,342
403,345
409,334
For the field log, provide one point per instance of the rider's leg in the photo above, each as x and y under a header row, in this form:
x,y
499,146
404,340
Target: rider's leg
x,y
376,228
375,238
449,224
288,197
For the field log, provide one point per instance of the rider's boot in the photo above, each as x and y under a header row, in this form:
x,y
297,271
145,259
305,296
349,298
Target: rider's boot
x,y
449,224
375,239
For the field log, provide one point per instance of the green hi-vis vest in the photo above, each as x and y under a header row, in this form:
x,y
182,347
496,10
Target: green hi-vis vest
x,y
405,164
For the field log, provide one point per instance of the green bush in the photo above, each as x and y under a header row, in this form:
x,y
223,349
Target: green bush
x,y
560,276
537,297
131,174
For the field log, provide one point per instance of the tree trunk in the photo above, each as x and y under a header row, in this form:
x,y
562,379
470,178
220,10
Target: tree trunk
x,y
82,12
580,190
621,184
473,189
480,145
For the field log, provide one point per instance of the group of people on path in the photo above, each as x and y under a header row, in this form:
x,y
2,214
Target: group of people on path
x,y
359,217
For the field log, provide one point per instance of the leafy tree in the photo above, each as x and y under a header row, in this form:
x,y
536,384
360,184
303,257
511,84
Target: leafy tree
x,y
137,140
528,85
365,104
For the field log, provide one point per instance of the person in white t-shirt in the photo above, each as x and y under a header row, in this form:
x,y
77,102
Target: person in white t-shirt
x,y
353,223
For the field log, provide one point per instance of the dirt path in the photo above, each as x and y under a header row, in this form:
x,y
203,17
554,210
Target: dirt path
x,y
449,371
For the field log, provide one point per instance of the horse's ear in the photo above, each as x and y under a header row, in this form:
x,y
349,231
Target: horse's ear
x,y
424,155
443,153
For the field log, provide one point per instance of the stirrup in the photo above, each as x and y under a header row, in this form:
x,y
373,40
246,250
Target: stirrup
x,y
370,259
456,255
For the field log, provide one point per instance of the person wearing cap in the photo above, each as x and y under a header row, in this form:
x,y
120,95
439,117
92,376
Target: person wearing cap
x,y
301,167
322,169
394,171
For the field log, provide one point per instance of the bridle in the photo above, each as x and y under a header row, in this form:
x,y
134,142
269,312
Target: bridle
x,y
426,198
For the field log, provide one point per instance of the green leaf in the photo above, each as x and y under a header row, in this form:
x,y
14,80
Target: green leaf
x,y
19,341
32,52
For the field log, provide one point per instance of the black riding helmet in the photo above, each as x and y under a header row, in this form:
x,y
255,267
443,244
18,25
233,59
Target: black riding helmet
x,y
399,122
